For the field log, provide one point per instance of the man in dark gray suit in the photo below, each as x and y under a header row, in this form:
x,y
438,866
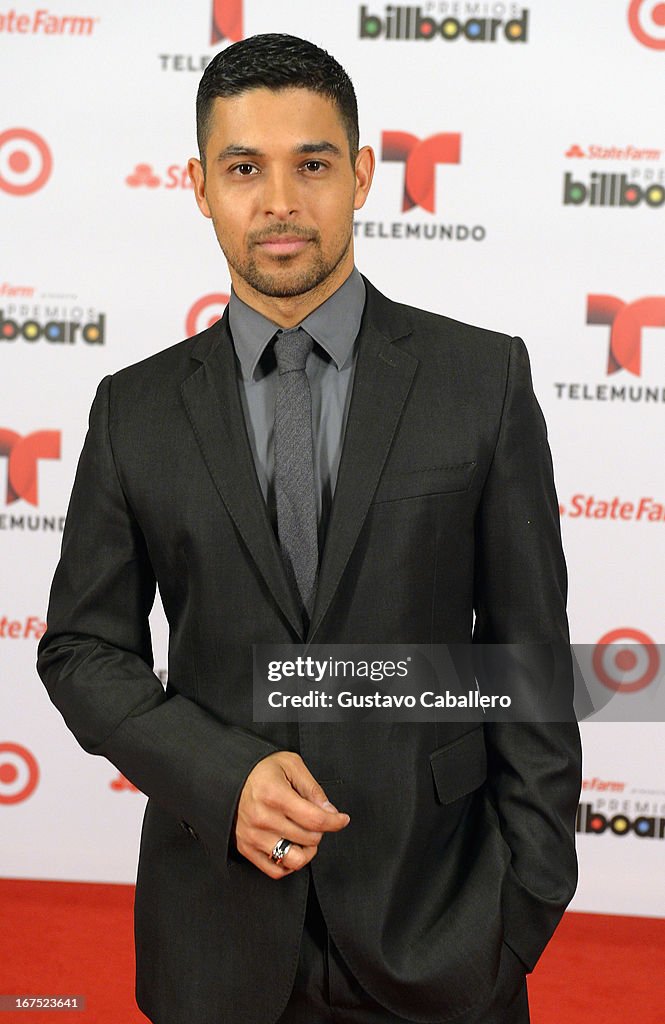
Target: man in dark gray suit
x,y
323,465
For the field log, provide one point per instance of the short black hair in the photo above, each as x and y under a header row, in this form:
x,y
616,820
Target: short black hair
x,y
275,60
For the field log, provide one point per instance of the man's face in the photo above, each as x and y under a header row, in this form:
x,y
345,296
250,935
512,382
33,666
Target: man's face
x,y
281,190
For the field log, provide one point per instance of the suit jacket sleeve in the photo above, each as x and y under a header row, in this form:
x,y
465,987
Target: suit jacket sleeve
x,y
96,660
520,604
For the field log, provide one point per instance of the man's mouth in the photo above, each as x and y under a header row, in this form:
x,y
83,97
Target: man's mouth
x,y
283,245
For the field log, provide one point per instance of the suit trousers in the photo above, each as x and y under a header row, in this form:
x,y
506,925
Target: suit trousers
x,y
326,992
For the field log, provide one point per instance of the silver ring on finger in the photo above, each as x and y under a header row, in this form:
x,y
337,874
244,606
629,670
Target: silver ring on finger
x,y
280,850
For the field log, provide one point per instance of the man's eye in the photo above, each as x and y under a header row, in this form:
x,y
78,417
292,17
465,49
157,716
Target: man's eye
x,y
245,169
314,165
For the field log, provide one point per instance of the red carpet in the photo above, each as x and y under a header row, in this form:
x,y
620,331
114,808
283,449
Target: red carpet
x,y
62,938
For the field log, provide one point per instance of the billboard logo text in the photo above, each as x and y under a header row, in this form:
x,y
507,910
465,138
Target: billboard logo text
x,y
610,190
592,822
406,22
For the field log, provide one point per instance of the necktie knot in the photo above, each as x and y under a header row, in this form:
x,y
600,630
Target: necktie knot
x,y
291,350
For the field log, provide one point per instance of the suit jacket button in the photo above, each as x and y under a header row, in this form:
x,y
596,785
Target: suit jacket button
x,y
188,828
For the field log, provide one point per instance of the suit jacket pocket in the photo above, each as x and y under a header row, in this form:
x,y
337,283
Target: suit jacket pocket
x,y
394,486
460,766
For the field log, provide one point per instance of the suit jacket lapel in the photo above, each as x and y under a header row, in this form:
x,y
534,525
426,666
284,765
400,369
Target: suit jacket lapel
x,y
213,405
381,384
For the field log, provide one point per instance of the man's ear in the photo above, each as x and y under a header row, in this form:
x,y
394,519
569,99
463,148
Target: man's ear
x,y
365,162
197,178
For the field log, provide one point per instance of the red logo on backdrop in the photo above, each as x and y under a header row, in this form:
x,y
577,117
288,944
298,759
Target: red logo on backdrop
x,y
120,783
226,21
23,454
626,660
205,312
17,629
143,174
632,153
19,773
42,22
626,320
647,22
25,161
640,510
420,157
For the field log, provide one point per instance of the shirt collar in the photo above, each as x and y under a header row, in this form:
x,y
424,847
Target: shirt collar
x,y
334,325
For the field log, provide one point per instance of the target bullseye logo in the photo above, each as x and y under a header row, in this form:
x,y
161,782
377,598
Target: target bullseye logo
x,y
626,660
647,22
25,161
205,312
19,773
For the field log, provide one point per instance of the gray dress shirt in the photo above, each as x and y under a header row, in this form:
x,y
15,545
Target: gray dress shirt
x,y
334,326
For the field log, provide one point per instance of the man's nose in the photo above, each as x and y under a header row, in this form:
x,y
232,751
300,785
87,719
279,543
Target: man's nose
x,y
280,196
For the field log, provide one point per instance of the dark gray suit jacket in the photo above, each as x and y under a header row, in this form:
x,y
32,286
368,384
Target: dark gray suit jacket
x,y
461,836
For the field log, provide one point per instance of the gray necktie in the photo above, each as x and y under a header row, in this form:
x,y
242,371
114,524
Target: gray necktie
x,y
294,465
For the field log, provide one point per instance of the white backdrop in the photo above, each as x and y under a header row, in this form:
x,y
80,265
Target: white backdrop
x,y
557,197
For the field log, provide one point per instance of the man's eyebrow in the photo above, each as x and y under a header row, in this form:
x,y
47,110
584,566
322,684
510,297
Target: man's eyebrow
x,y
318,147
305,148
237,150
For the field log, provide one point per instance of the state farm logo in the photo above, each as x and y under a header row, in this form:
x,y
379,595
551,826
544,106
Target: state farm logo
x,y
30,627
626,322
42,22
603,785
626,660
16,291
409,23
205,312
226,26
596,152
226,21
420,159
23,455
25,161
616,509
19,773
143,176
647,22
